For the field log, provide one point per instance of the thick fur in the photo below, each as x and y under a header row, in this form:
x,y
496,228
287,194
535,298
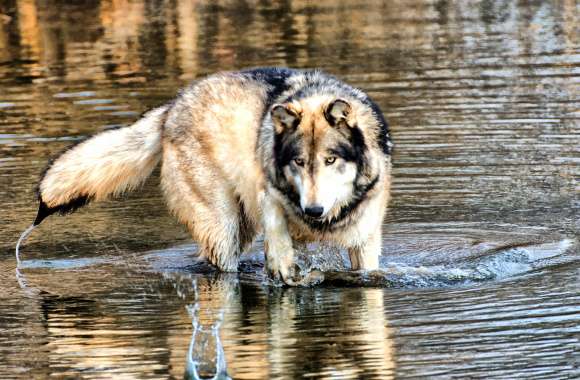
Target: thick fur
x,y
109,163
262,150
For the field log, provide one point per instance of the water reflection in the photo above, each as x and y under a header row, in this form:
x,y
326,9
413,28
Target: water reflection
x,y
330,334
118,39
205,356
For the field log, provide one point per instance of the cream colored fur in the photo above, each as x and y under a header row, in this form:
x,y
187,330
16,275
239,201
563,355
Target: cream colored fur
x,y
109,163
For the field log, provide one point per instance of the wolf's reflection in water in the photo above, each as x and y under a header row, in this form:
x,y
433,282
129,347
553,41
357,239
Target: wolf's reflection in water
x,y
348,336
324,331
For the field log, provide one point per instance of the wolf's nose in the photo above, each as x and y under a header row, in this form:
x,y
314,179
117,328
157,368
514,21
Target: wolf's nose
x,y
314,211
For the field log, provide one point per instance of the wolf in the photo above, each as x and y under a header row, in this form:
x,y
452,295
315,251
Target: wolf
x,y
297,155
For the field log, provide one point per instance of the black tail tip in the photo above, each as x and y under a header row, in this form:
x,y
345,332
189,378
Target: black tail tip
x,y
44,211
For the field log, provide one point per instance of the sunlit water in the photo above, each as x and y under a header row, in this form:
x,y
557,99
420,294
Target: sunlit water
x,y
480,261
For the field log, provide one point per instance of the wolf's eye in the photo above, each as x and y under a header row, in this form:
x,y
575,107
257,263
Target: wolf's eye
x,y
329,160
299,161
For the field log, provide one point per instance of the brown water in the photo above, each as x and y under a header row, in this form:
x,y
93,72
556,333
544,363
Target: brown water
x,y
481,261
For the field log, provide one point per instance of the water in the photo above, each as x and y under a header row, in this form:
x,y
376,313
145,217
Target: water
x,y
480,267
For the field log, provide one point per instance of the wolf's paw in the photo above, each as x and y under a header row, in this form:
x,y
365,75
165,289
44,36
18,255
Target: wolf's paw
x,y
285,274
293,277
311,279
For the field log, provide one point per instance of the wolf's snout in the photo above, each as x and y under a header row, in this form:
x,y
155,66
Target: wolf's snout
x,y
314,211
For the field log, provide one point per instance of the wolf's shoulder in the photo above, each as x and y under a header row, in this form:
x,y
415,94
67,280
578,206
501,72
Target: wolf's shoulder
x,y
275,79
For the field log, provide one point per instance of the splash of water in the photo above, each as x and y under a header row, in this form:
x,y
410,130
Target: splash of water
x,y
205,356
324,267
19,276
20,240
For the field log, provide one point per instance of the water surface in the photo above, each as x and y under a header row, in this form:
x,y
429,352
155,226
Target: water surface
x,y
480,244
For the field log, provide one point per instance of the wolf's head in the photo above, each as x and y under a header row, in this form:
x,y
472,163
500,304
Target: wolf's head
x,y
323,155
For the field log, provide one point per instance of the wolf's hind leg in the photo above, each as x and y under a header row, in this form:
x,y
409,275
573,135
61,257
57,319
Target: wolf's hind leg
x,y
209,208
218,244
222,233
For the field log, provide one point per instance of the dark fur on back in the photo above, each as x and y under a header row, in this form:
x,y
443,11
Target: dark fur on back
x,y
274,77
280,90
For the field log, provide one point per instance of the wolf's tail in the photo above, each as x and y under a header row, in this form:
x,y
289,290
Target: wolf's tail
x,y
106,164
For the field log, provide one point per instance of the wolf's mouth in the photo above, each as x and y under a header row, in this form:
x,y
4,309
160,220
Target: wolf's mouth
x,y
313,218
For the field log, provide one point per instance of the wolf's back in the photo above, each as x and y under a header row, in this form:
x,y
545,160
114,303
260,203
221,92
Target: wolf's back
x,y
106,164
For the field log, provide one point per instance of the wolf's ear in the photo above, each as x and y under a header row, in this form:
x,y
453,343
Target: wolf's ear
x,y
284,118
337,111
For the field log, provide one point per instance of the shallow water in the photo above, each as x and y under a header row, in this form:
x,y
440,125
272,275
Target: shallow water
x,y
481,259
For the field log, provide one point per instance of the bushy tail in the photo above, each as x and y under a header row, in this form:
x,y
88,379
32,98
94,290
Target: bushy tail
x,y
106,164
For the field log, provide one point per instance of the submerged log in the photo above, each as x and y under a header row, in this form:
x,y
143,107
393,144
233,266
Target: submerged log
x,y
393,278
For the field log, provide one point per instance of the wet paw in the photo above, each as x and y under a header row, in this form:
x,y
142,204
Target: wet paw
x,y
313,278
293,277
285,275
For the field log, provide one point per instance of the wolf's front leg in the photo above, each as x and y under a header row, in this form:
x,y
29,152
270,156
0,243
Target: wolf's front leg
x,y
277,241
366,256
